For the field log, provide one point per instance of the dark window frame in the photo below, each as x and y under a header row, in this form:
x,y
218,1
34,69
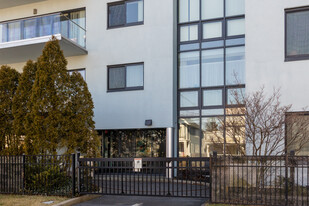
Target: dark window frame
x,y
288,58
125,14
125,88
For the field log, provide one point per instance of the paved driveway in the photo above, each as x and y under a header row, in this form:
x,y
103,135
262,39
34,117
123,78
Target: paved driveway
x,y
142,201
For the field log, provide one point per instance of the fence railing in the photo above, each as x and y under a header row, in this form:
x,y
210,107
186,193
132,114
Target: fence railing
x,y
40,174
271,180
177,177
245,180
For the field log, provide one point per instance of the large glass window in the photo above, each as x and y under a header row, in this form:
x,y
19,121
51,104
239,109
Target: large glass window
x,y
125,13
212,137
189,99
235,96
235,65
212,30
212,9
189,10
212,67
236,27
189,69
189,33
297,34
235,7
212,98
189,137
126,77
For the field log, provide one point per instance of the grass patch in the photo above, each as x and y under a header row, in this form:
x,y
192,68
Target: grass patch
x,y
24,200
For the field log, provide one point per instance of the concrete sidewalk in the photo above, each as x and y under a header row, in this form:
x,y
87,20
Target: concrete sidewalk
x,y
142,201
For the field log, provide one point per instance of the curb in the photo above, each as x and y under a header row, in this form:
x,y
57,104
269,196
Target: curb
x,y
77,200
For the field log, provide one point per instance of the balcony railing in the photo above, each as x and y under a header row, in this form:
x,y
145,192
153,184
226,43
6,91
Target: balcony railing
x,y
43,26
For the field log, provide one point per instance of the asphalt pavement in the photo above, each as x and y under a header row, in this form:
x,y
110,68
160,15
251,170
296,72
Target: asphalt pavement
x,y
142,201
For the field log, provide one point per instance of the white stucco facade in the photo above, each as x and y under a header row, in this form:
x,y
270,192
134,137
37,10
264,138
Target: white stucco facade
x,y
151,43
265,57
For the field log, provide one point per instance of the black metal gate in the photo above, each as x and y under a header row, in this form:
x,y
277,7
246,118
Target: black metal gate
x,y
176,177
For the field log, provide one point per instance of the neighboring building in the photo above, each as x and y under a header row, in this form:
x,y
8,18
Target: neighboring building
x,y
161,72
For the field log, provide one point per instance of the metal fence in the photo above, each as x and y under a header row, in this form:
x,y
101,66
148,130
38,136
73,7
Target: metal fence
x,y
177,177
40,174
248,180
245,180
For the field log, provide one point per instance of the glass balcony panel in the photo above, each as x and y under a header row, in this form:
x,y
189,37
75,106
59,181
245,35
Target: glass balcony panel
x,y
45,26
30,28
14,31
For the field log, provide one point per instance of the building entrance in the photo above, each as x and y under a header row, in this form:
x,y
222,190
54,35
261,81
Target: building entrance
x,y
134,143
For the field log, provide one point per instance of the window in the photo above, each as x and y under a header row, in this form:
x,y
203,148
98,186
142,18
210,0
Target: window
x,y
212,9
189,10
297,34
189,99
189,69
125,13
126,77
212,30
235,65
81,71
213,67
236,27
212,98
189,33
297,130
235,96
234,7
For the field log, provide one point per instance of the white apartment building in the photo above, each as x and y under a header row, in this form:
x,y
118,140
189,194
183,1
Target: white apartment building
x,y
161,72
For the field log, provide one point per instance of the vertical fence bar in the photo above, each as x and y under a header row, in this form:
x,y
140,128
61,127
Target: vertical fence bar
x,y
73,174
23,173
78,173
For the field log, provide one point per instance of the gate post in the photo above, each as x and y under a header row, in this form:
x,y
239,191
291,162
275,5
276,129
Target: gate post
x,y
169,151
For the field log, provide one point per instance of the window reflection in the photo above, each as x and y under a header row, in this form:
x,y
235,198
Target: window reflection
x,y
189,137
235,135
297,130
212,139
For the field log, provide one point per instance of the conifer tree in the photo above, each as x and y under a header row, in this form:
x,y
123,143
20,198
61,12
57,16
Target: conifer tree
x,y
9,143
46,120
21,100
80,127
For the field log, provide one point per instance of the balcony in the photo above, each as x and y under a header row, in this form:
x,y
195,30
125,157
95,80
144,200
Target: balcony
x,y
24,39
11,3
